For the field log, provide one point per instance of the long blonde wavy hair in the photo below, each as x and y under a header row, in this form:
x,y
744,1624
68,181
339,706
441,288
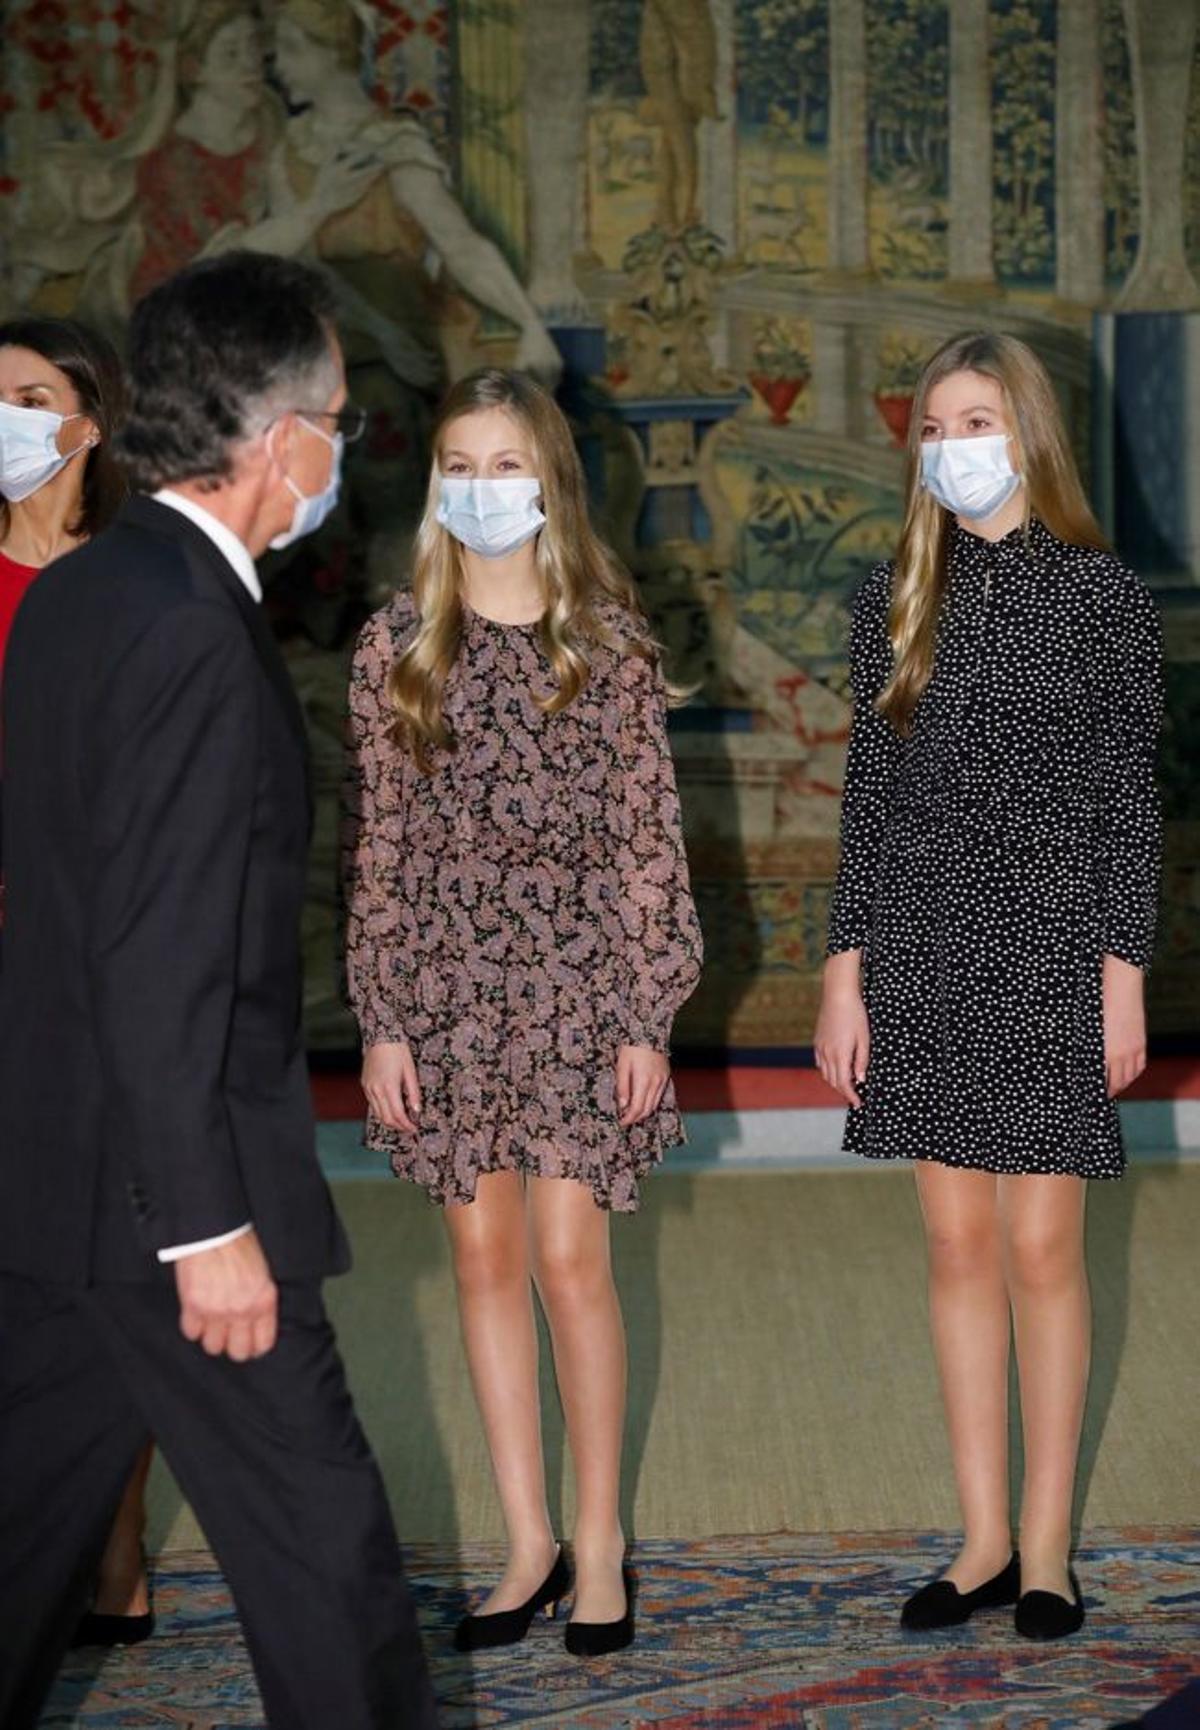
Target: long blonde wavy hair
x,y
1040,454
578,572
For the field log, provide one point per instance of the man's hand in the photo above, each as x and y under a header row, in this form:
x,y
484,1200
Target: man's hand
x,y
228,1302
642,1077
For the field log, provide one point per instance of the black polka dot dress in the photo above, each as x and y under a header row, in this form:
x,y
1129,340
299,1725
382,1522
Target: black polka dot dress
x,y
991,858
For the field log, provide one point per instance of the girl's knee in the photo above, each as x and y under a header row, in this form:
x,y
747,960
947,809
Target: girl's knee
x,y
489,1262
1043,1257
962,1248
569,1271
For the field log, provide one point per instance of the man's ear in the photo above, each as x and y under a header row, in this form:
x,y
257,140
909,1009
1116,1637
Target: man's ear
x,y
278,440
258,459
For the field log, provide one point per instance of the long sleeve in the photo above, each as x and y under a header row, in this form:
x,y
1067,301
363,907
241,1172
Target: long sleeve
x,y
173,792
372,842
1129,704
662,933
871,764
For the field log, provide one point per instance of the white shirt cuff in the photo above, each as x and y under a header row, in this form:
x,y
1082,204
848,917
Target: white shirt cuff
x,y
179,1250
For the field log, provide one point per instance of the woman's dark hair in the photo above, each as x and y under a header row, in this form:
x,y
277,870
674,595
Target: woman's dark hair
x,y
215,354
92,365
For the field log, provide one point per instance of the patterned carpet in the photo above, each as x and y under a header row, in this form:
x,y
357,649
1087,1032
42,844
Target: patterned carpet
x,y
777,1633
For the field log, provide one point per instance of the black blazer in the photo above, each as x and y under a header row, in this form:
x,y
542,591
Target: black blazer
x,y
153,1085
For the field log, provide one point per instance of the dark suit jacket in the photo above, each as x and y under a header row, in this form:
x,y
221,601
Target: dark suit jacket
x,y
153,1085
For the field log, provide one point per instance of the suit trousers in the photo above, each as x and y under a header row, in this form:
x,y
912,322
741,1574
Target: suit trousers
x,y
272,1458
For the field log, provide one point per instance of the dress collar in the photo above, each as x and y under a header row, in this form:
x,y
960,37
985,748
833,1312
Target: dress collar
x,y
969,551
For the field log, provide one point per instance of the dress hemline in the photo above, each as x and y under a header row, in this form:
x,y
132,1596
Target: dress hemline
x,y
615,1198
1032,1169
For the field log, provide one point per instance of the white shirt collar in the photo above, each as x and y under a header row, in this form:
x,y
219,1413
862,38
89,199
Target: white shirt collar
x,y
223,538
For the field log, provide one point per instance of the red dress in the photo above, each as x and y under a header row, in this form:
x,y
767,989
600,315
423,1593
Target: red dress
x,y
14,580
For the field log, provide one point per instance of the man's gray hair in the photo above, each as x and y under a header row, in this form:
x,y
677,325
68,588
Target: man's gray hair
x,y
215,354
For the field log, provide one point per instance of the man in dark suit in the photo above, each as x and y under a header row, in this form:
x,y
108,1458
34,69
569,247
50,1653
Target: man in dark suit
x,y
164,1225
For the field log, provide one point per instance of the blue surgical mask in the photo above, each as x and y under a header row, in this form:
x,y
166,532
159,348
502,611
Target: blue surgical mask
x,y
313,508
492,517
29,453
971,477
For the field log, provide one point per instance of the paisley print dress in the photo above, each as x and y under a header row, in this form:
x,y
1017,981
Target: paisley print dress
x,y
994,856
520,913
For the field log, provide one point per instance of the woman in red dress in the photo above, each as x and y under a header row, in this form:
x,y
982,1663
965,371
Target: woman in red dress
x,y
61,399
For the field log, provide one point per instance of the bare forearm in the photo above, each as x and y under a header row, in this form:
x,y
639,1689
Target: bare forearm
x,y
843,971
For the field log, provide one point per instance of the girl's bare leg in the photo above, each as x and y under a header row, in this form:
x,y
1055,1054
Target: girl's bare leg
x,y
969,1317
573,1271
121,1586
1042,1221
489,1245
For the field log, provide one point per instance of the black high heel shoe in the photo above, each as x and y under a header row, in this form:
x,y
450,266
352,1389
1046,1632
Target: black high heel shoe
x,y
507,1627
97,1629
598,1639
1046,1616
940,1604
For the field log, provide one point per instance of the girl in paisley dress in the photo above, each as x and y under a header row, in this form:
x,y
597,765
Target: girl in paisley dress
x,y
521,933
991,925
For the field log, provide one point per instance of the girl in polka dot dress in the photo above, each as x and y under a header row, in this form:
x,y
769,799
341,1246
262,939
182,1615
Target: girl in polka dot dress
x,y
991,926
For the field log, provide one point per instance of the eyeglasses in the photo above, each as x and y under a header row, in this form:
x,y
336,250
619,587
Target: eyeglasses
x,y
350,421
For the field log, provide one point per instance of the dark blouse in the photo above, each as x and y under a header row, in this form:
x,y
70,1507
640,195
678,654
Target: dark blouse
x,y
1038,728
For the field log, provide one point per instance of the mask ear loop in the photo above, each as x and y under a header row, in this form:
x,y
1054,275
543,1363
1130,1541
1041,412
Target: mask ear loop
x,y
89,444
288,482
274,454
330,438
93,440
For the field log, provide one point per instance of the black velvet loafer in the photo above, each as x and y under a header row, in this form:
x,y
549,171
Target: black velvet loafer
x,y
940,1604
1046,1616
